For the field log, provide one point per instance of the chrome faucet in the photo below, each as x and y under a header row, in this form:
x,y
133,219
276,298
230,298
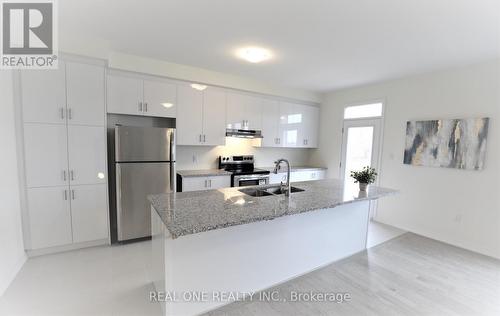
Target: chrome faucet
x,y
276,167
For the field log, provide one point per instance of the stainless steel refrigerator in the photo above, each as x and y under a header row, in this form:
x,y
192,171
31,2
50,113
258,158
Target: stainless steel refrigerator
x,y
144,165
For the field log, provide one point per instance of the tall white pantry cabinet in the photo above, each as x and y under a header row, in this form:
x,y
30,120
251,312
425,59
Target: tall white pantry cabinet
x,y
63,119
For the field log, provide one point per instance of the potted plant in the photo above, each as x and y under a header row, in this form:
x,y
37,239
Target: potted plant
x,y
364,177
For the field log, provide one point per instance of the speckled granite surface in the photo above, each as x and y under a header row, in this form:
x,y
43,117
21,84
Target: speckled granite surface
x,y
188,213
203,173
294,168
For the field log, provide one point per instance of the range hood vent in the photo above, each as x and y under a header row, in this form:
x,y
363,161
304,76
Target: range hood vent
x,y
243,133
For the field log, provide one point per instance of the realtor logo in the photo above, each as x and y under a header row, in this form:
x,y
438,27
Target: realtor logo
x,y
28,35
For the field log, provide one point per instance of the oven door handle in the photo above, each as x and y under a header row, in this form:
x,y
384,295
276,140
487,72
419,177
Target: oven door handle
x,y
250,178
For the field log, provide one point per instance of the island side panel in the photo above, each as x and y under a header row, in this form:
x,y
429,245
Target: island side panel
x,y
256,256
157,265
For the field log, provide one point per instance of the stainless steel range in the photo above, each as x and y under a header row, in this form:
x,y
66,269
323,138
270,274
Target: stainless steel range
x,y
243,171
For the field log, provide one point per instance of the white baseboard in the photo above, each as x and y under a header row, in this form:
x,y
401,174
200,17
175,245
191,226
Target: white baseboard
x,y
46,251
12,274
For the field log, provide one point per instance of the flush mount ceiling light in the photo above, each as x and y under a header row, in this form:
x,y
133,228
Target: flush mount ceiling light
x,y
199,87
254,54
167,105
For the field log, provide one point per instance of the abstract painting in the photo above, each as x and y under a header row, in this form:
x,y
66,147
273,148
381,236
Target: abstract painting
x,y
457,143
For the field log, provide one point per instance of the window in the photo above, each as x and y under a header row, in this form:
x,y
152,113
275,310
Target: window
x,y
362,111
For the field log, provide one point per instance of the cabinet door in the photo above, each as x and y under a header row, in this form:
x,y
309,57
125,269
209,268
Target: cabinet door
x,y
291,120
85,93
44,95
310,126
270,123
87,154
214,117
219,182
49,217
46,155
89,212
160,99
189,116
194,184
124,95
242,108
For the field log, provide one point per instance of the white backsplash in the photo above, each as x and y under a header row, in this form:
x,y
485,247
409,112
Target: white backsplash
x,y
205,157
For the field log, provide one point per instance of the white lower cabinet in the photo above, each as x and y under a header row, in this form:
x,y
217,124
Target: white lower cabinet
x,y
297,176
49,217
89,212
205,183
64,215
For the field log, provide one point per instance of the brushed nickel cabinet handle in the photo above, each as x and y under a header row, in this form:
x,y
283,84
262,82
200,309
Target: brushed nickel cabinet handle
x,y
65,195
64,175
140,106
72,194
62,113
204,138
145,106
70,114
72,175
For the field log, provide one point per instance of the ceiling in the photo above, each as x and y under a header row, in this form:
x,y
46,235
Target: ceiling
x,y
319,45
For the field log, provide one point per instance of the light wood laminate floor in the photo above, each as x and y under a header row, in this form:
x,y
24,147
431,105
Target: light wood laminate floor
x,y
408,275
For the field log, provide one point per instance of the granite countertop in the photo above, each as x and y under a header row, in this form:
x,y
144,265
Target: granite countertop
x,y
294,168
203,173
185,213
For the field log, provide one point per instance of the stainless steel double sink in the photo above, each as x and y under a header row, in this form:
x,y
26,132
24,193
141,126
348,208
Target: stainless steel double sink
x,y
258,192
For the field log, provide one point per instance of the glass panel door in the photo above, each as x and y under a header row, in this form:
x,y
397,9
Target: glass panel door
x,y
360,147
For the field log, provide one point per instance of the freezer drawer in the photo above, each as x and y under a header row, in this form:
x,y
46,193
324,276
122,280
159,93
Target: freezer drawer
x,y
134,182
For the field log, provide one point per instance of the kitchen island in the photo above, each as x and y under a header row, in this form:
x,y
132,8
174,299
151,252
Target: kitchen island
x,y
210,247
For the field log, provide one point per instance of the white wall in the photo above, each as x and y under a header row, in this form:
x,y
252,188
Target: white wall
x,y
206,157
11,238
455,206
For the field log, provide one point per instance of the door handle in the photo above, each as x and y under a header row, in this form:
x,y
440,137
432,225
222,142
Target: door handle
x,y
70,114
140,106
200,138
210,182
64,175
206,185
62,113
72,194
204,138
145,106
65,195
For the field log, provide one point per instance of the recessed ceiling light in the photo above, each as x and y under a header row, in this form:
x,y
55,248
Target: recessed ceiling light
x,y
167,105
198,86
254,54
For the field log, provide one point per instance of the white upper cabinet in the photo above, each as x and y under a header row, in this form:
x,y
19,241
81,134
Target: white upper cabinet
x,y
214,117
46,160
138,96
87,155
125,95
201,116
85,94
291,120
298,125
160,99
244,111
271,123
44,95
89,212
310,127
189,121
